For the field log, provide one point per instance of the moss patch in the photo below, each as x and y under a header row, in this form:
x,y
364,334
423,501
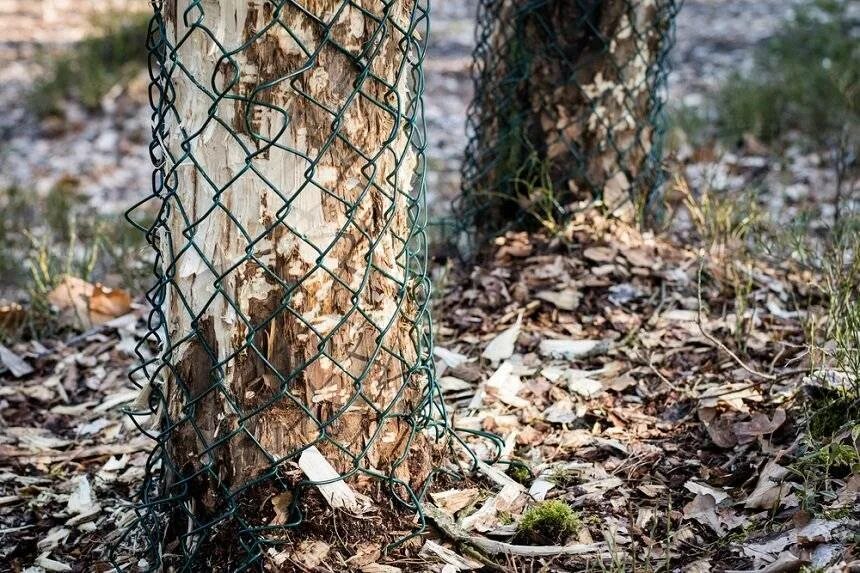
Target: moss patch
x,y
549,521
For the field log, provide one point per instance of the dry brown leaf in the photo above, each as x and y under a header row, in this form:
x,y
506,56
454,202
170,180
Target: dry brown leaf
x,y
311,553
719,427
365,554
731,395
573,349
108,303
770,489
86,305
703,489
600,254
759,425
281,504
786,562
641,257
703,509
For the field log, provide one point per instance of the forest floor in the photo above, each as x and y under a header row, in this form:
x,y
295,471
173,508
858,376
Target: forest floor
x,y
689,392
686,431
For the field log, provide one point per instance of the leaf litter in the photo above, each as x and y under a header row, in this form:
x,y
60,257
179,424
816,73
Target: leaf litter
x,y
607,397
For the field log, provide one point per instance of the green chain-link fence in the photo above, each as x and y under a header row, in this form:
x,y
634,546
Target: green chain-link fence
x,y
567,107
290,313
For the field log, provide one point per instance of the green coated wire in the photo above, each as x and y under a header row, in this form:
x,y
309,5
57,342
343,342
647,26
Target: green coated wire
x,y
168,488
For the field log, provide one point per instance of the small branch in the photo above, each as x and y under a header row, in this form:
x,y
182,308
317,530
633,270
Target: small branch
x,y
713,339
491,547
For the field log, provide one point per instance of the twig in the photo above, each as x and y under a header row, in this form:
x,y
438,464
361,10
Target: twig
x,y
491,547
658,373
713,339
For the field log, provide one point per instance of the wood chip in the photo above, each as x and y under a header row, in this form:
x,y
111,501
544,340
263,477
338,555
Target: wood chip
x,y
460,563
331,485
16,365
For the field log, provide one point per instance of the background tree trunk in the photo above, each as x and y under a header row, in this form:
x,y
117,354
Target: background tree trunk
x,y
291,308
566,94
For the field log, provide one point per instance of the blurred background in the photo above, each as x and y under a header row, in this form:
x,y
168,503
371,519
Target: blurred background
x,y
761,107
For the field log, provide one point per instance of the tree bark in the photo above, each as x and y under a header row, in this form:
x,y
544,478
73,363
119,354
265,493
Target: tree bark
x,y
564,112
291,311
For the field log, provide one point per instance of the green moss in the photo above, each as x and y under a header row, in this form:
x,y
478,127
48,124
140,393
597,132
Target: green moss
x,y
549,521
562,477
520,472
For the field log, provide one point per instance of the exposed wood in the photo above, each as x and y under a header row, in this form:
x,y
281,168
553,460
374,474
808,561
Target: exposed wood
x,y
331,484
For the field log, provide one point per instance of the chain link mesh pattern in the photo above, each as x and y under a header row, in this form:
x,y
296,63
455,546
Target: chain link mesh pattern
x,y
567,107
291,304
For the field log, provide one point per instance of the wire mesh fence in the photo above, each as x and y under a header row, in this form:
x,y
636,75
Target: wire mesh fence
x,y
290,312
567,107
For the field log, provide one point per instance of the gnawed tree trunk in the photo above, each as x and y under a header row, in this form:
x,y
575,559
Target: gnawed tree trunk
x,y
566,97
291,309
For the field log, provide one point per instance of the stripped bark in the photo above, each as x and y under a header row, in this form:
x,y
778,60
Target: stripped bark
x,y
289,310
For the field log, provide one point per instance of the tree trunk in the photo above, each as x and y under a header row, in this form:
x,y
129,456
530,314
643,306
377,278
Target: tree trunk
x,y
566,97
293,310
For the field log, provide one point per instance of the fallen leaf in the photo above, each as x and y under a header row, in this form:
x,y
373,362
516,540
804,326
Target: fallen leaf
x,y
502,346
702,489
585,387
731,395
600,254
561,412
505,385
86,305
365,554
703,509
759,425
107,304
281,504
770,489
450,358
16,365
453,384
720,428
565,299
784,563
